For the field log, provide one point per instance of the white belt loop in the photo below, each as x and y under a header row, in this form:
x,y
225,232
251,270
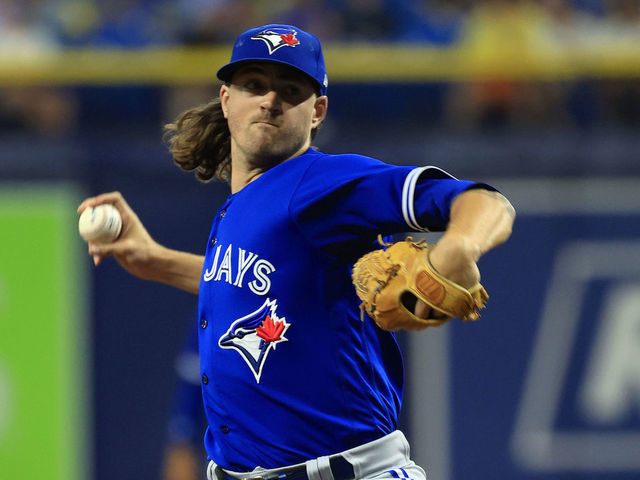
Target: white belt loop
x,y
319,469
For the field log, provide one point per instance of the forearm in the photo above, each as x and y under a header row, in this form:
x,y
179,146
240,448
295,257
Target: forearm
x,y
483,218
479,220
178,269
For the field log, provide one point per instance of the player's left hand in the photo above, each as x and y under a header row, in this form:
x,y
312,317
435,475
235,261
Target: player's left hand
x,y
454,257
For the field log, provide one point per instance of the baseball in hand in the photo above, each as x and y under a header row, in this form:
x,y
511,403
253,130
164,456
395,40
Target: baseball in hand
x,y
101,224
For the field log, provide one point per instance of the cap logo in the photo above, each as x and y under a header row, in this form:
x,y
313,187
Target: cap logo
x,y
277,38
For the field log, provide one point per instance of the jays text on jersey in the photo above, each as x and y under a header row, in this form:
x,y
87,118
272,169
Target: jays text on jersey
x,y
289,370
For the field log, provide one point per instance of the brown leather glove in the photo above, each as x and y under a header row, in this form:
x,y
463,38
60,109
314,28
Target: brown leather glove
x,y
390,281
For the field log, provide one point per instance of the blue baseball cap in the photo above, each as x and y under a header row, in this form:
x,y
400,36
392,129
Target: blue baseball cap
x,y
284,44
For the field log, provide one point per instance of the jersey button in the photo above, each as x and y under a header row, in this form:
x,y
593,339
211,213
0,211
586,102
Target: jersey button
x,y
223,213
205,379
224,429
204,323
214,240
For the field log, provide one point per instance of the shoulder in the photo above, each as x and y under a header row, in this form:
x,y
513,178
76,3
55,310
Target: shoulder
x,y
342,163
317,155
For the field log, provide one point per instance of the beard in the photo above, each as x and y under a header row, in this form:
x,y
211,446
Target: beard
x,y
265,143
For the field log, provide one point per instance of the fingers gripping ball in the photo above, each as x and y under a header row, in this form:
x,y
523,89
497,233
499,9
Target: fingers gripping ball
x,y
390,281
100,224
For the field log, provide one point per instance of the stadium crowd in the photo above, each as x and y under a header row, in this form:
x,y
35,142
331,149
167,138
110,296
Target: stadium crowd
x,y
135,23
40,25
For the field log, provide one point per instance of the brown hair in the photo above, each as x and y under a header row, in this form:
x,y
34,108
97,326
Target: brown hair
x,y
199,140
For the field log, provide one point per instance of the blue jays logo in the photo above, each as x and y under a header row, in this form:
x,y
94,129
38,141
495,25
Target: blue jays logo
x,y
256,335
276,38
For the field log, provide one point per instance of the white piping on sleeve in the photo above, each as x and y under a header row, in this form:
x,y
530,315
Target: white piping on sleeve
x,y
408,194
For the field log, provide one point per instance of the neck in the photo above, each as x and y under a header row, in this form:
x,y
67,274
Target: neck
x,y
241,177
245,170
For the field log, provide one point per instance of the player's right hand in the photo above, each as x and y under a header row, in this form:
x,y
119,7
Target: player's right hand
x,y
134,248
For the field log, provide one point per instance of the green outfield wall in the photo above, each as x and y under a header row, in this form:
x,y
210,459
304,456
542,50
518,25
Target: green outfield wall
x,y
44,430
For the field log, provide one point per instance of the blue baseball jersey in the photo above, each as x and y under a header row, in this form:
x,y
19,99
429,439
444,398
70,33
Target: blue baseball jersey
x,y
289,370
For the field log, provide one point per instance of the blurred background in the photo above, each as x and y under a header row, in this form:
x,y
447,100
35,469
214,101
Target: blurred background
x,y
540,98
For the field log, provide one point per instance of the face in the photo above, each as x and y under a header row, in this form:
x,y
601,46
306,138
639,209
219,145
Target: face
x,y
271,110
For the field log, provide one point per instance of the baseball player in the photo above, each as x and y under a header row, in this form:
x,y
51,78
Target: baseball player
x,y
295,384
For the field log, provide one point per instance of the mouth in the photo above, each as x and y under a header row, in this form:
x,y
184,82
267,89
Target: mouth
x,y
266,122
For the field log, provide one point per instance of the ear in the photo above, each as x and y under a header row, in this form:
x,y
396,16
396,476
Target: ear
x,y
224,99
319,110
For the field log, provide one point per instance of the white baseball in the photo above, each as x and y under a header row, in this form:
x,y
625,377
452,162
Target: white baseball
x,y
100,224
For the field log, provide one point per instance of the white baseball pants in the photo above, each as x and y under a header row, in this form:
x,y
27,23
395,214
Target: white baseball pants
x,y
384,459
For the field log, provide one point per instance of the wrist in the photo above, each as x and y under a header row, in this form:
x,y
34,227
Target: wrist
x,y
455,257
460,245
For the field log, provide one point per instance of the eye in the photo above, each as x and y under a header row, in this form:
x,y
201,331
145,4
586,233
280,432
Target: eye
x,y
253,84
291,90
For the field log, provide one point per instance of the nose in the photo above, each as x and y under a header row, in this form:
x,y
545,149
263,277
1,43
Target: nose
x,y
271,101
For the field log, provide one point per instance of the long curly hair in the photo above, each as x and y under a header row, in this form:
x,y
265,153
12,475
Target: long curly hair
x,y
199,140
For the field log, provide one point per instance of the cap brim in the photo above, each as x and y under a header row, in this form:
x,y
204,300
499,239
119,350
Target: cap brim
x,y
226,72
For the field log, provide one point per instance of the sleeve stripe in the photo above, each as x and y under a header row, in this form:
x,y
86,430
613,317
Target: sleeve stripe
x,y
408,193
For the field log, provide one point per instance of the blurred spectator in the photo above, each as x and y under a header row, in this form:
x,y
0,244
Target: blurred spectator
x,y
132,23
505,26
312,16
22,30
219,21
49,112
436,22
365,20
624,12
73,21
126,23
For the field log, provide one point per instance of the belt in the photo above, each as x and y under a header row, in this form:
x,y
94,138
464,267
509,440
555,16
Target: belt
x,y
340,468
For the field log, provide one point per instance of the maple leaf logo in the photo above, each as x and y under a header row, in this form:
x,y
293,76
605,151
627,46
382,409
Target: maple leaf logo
x,y
289,39
270,331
